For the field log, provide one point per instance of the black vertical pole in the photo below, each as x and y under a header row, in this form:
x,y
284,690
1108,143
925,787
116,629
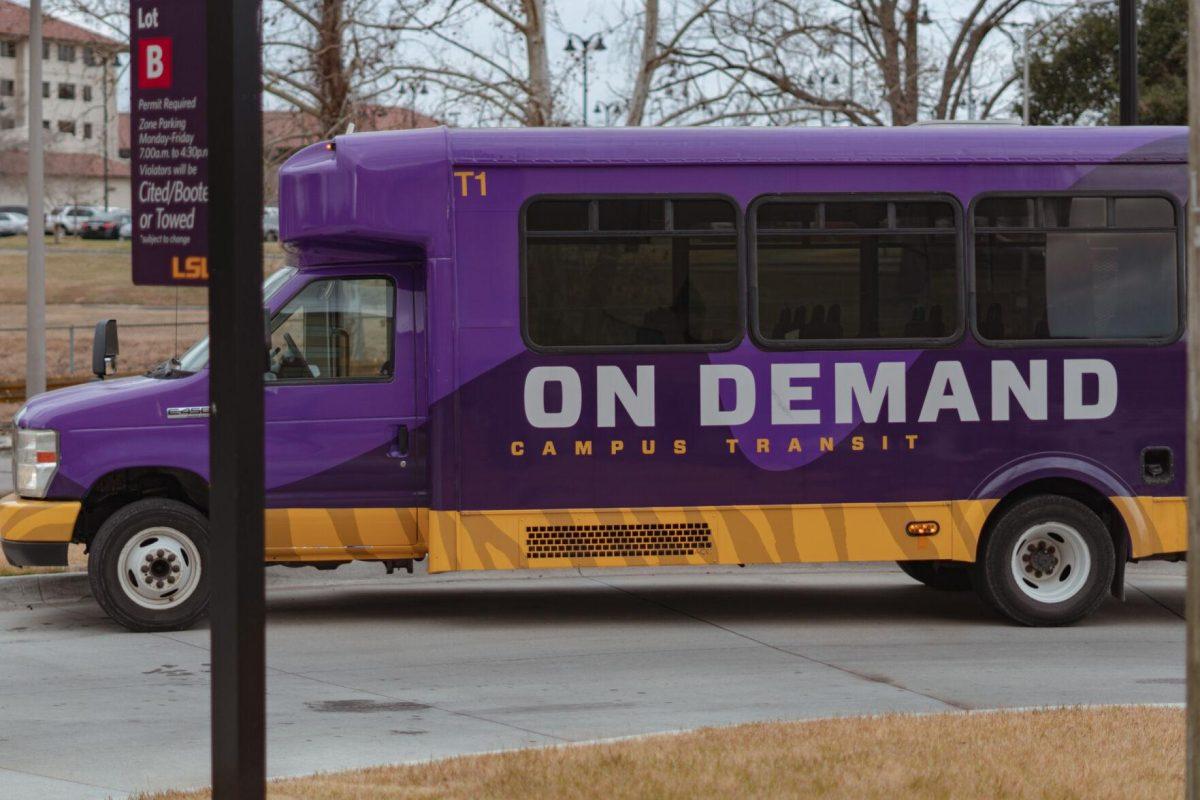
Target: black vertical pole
x,y
236,390
1128,65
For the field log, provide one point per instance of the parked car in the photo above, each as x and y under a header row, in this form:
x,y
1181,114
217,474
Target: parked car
x,y
104,225
271,224
127,229
12,223
68,219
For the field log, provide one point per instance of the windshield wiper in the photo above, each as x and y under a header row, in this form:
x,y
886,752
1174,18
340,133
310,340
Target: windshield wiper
x,y
169,369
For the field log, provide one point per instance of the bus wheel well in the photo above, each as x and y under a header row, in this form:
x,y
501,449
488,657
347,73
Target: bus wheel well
x,y
1080,492
122,487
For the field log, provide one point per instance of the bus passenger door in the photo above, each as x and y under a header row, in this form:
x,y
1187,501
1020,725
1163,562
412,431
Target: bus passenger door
x,y
345,446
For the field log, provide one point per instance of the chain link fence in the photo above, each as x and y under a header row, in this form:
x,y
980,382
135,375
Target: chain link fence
x,y
69,347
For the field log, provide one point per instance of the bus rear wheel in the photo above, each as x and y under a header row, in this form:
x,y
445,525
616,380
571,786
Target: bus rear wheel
x,y
148,565
942,575
1049,560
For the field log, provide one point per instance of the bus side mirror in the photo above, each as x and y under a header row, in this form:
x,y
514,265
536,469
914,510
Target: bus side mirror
x,y
105,348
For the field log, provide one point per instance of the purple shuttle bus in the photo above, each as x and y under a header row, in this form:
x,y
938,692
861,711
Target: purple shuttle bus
x,y
957,349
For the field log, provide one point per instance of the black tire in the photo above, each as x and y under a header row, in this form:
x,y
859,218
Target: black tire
x,y
945,576
109,585
993,573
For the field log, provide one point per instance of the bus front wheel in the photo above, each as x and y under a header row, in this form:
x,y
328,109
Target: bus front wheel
x,y
1049,560
942,575
147,565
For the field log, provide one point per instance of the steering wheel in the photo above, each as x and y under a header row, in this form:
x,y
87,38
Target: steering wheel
x,y
295,353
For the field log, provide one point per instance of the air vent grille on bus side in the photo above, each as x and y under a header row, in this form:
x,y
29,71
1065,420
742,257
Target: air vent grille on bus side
x,y
620,540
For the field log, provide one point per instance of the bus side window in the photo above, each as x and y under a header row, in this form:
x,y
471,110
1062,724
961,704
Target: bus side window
x,y
839,269
631,272
1076,268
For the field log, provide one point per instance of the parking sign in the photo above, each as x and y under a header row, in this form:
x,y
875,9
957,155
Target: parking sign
x,y
169,142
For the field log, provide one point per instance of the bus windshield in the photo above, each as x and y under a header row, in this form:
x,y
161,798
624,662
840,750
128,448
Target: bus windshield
x,y
196,358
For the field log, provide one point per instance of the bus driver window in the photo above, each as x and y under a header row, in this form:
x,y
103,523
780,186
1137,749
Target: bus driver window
x,y
334,330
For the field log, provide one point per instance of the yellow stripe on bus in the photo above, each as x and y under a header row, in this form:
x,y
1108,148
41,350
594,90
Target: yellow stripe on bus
x,y
628,537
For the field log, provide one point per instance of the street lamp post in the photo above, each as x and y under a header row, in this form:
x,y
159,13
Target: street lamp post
x,y
587,45
415,88
1028,30
822,77
610,111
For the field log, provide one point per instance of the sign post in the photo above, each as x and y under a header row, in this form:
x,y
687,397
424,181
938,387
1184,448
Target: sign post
x,y
238,355
196,125
1192,453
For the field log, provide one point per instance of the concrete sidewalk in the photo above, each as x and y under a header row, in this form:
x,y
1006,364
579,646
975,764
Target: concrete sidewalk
x,y
366,669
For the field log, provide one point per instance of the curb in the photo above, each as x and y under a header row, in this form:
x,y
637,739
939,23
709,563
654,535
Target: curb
x,y
36,590
73,587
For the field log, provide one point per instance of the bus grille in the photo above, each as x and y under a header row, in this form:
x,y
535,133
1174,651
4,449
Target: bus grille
x,y
617,541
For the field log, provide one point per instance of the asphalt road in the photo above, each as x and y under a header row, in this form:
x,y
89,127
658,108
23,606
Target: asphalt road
x,y
367,670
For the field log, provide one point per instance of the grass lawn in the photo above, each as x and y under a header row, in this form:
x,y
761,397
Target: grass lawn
x,y
1130,753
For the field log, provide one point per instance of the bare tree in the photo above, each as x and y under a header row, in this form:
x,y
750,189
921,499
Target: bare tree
x,y
654,53
489,55
330,59
869,62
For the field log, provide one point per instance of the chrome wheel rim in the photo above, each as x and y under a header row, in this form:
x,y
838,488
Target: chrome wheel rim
x,y
159,568
1051,562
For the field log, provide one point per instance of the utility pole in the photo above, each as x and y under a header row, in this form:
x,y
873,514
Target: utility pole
x,y
1192,453
35,297
104,103
1128,59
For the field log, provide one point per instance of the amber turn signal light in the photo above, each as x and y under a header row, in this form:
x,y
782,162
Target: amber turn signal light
x,y
922,528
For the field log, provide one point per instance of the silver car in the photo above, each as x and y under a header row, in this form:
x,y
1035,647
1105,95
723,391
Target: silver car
x,y
13,224
68,220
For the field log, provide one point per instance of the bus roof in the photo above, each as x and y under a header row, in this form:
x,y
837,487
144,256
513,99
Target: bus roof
x,y
388,191
919,144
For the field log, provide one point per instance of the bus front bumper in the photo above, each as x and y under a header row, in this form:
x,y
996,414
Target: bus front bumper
x,y
35,533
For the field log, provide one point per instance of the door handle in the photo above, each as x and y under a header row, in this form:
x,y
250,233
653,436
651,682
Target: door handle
x,y
399,448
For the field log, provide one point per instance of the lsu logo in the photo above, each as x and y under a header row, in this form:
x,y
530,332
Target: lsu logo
x,y
193,268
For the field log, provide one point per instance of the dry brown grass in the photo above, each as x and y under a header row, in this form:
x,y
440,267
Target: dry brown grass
x,y
94,271
84,271
141,347
86,281
1126,753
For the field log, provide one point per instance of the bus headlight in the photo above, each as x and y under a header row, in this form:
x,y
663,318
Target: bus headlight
x,y
35,460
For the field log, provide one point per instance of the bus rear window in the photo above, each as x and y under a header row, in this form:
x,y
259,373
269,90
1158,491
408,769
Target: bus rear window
x,y
645,272
856,270
1080,268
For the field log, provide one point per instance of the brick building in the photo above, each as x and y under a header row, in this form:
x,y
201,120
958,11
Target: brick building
x,y
79,112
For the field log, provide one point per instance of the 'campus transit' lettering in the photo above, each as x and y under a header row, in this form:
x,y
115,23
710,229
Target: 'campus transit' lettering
x,y
731,395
